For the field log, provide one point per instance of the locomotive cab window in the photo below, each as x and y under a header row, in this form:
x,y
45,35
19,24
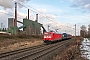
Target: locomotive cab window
x,y
48,34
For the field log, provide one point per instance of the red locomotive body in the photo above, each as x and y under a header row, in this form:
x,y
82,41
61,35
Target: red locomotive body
x,y
52,36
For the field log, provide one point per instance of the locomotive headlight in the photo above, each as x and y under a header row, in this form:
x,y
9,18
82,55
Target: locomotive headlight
x,y
49,36
45,37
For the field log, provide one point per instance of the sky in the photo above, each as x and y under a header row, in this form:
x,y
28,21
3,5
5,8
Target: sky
x,y
58,14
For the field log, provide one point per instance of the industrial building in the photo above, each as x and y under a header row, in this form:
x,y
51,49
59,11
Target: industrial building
x,y
10,22
29,27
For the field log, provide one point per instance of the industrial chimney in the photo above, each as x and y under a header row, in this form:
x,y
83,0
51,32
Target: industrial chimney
x,y
36,17
15,20
28,14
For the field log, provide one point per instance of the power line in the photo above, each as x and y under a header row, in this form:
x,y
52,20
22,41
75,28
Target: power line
x,y
6,14
39,13
10,14
35,11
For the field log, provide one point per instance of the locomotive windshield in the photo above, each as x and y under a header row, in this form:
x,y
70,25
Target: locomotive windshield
x,y
47,35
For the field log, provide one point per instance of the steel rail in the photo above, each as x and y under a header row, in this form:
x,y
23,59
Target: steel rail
x,y
5,54
50,48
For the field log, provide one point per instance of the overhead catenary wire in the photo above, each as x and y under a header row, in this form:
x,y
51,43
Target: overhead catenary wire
x,y
37,12
42,14
33,8
10,14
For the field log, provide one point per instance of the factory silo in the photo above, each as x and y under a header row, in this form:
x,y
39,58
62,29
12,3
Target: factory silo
x,y
10,22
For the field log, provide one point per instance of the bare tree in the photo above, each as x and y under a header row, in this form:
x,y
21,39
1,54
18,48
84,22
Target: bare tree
x,y
83,28
89,30
83,31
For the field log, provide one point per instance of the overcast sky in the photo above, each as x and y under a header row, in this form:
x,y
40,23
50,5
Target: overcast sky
x,y
61,14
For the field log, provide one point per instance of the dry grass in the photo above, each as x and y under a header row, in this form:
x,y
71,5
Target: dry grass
x,y
8,43
66,53
19,45
71,51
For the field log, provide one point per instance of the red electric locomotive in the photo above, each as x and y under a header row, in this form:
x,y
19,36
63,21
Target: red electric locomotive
x,y
51,37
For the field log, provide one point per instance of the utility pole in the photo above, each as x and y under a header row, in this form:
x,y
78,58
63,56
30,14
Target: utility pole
x,y
75,31
48,27
1,26
65,31
56,30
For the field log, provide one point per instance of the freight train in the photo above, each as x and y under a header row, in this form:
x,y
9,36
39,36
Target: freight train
x,y
51,36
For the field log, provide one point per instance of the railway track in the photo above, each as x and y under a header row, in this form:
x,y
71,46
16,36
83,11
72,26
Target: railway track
x,y
37,55
32,53
5,54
